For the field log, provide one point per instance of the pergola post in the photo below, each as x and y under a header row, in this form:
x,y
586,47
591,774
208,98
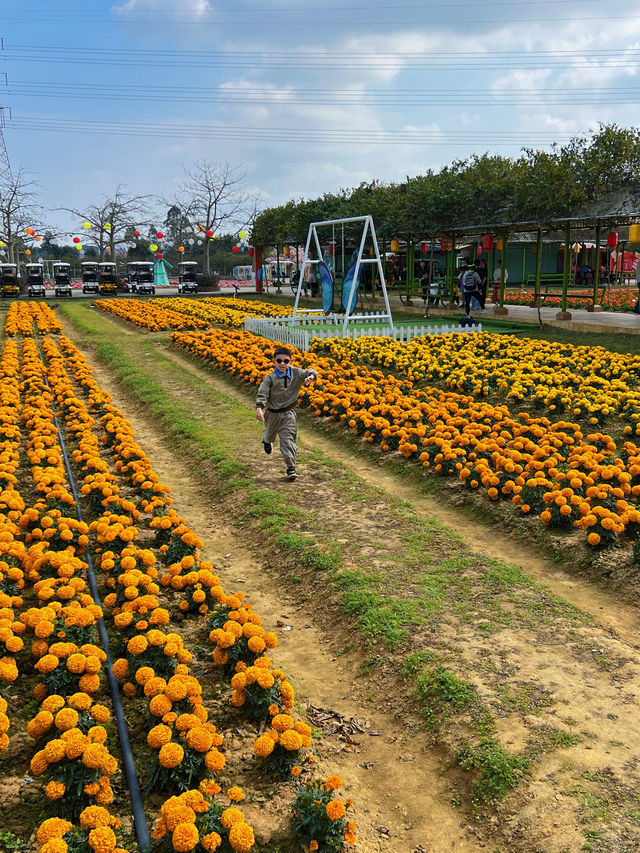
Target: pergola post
x,y
563,314
501,311
452,270
536,296
595,306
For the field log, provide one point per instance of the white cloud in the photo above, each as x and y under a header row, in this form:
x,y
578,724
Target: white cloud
x,y
186,10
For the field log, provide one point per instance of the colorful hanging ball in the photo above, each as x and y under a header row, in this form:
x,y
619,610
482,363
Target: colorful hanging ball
x,y
107,226
242,235
209,233
159,235
1,244
27,251
86,225
79,246
76,239
153,247
181,249
158,254
234,249
28,230
37,238
136,233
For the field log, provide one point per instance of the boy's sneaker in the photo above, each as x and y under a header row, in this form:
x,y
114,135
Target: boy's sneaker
x,y
291,474
268,447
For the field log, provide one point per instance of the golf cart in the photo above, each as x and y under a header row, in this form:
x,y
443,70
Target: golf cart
x,y
140,275
9,280
62,278
90,277
107,279
35,280
187,277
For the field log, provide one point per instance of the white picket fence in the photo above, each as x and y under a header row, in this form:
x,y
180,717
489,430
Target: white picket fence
x,y
301,338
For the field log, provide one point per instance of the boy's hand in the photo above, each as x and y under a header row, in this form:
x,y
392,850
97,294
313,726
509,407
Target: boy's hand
x,y
259,415
308,380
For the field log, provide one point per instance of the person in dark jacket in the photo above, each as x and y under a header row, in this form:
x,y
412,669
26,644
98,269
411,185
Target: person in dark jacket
x,y
275,406
471,285
483,272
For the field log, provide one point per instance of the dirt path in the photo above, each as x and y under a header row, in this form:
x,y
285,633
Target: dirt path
x,y
561,686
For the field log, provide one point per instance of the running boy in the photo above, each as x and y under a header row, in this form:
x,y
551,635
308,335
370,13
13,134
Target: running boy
x,y
275,406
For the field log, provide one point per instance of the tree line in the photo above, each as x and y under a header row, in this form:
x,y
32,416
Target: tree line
x,y
537,186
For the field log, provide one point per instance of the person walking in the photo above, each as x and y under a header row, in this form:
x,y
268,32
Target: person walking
x,y
471,284
497,279
483,272
275,406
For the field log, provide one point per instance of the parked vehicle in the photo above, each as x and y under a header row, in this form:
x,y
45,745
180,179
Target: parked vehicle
x,y
107,279
90,277
35,280
62,278
188,277
9,285
140,277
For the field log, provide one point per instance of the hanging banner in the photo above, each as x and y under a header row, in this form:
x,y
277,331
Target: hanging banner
x,y
326,287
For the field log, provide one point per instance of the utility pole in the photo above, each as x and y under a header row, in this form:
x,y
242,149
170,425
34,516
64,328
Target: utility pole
x,y
5,166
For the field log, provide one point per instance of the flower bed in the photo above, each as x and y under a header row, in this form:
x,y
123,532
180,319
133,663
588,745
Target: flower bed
x,y
530,461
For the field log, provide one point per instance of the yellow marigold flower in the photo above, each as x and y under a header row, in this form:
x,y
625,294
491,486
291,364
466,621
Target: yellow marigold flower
x,y
214,760
235,794
102,839
291,740
296,771
199,739
313,845
66,718
54,827
185,837
54,750
55,845
100,713
54,790
231,816
158,736
170,755
333,783
282,722
211,841
263,746
241,837
335,810
94,816
209,787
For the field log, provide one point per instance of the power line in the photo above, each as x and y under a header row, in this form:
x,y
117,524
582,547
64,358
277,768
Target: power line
x,y
359,136
325,97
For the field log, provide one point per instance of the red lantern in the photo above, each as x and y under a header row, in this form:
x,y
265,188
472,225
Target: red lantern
x,y
234,249
136,233
159,235
487,242
445,243
478,250
424,247
612,239
251,251
76,239
209,233
158,254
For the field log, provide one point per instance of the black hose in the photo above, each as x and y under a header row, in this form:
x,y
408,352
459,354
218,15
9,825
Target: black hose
x,y
139,819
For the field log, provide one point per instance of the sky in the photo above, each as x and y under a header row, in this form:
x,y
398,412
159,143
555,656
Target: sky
x,y
303,96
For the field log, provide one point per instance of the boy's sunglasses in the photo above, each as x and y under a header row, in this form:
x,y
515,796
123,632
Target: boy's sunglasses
x,y
283,360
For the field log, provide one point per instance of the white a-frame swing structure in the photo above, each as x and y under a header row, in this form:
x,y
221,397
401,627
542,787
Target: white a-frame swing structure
x,y
369,239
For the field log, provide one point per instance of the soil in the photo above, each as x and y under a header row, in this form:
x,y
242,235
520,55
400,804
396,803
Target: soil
x,y
582,791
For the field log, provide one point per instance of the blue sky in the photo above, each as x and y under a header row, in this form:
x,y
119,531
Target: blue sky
x,y
306,96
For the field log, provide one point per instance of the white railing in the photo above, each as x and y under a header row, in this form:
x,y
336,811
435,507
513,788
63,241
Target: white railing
x,y
272,329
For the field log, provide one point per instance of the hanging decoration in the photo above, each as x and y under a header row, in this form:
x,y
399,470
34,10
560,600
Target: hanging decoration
x,y
395,245
181,249
612,239
424,247
242,235
159,235
153,247
487,242
235,248
252,251
634,233
86,226
76,239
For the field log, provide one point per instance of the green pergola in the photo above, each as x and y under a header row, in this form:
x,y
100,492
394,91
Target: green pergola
x,y
562,229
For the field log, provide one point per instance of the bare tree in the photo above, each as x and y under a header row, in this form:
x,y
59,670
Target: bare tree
x,y
18,210
212,199
113,221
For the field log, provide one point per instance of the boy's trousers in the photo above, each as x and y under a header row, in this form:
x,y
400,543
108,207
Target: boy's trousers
x,y
285,426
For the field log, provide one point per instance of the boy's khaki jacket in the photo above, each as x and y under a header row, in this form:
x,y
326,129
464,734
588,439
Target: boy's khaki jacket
x,y
279,393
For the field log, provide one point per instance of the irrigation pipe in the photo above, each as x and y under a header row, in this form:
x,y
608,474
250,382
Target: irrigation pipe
x,y
139,819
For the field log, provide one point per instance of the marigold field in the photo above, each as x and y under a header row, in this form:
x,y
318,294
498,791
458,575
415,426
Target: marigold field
x,y
533,431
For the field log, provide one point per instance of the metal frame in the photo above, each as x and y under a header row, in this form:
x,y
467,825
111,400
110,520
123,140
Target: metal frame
x,y
368,229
